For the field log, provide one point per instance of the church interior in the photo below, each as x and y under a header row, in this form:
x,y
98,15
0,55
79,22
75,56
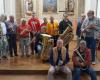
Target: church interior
x,y
16,65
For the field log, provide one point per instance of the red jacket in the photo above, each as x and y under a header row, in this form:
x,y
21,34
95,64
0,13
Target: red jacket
x,y
22,32
43,24
76,62
34,24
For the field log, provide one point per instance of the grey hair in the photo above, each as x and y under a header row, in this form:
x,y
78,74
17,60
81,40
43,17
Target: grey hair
x,y
60,40
82,42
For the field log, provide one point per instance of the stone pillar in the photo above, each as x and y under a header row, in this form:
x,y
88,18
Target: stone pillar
x,y
81,7
10,7
2,7
18,10
90,5
98,9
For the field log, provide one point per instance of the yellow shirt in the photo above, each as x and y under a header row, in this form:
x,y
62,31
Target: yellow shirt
x,y
52,29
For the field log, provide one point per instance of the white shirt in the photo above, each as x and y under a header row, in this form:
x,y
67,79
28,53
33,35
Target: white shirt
x,y
3,26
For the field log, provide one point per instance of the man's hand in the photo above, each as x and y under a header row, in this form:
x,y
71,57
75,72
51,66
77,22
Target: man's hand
x,y
92,26
83,65
60,63
26,30
83,30
56,68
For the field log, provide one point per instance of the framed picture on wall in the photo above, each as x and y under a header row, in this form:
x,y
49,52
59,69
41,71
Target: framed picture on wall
x,y
49,6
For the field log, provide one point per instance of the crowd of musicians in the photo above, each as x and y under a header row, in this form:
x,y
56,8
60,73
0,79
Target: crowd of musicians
x,y
29,34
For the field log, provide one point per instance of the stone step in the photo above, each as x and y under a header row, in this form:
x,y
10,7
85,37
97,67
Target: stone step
x,y
31,77
37,69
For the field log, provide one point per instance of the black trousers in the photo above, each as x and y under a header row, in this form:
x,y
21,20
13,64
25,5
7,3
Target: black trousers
x,y
12,44
67,47
32,45
55,40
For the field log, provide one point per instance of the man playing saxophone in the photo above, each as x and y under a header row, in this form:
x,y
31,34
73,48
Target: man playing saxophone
x,y
82,61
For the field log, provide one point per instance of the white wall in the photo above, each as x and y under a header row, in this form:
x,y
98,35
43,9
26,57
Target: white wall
x,y
10,7
98,9
87,5
1,7
90,5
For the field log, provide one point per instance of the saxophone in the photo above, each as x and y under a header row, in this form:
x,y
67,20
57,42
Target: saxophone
x,y
67,35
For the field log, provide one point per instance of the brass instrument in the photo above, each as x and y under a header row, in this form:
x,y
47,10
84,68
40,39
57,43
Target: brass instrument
x,y
47,43
67,35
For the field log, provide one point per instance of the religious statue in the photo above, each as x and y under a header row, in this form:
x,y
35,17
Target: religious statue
x,y
70,5
28,6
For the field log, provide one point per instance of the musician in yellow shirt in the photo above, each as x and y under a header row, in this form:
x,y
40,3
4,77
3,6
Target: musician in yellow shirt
x,y
52,29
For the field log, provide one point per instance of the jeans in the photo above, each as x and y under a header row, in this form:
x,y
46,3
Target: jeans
x,y
89,70
24,45
3,46
91,44
38,48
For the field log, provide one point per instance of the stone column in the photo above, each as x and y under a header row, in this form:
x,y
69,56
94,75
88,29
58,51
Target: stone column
x,y
81,7
10,7
18,10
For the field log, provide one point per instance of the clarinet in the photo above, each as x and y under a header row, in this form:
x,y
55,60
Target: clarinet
x,y
80,56
83,60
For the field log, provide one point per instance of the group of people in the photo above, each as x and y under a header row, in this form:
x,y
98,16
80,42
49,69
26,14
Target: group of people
x,y
29,35
88,31
7,37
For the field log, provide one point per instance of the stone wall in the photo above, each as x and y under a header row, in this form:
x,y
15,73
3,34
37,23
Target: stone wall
x,y
38,8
